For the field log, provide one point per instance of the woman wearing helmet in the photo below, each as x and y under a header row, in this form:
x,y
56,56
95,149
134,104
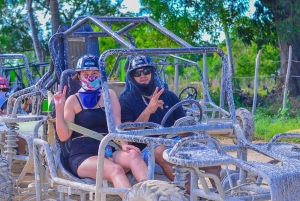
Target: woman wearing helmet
x,y
85,108
4,94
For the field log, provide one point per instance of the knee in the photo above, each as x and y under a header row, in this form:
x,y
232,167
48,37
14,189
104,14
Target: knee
x,y
116,170
134,155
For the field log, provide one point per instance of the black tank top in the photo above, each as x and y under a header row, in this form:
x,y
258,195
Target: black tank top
x,y
94,119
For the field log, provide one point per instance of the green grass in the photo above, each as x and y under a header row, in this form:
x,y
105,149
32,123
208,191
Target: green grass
x,y
266,126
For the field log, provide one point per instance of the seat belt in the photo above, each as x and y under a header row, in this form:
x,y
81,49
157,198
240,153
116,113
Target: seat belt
x,y
90,133
87,132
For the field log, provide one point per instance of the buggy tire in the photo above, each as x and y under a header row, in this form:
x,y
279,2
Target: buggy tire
x,y
155,190
6,181
245,119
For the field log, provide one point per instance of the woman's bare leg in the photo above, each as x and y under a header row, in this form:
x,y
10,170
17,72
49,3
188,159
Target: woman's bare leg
x,y
112,172
133,161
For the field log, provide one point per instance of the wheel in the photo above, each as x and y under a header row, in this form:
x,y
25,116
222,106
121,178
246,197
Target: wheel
x,y
245,119
189,92
155,190
6,181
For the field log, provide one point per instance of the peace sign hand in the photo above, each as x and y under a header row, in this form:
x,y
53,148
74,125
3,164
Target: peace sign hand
x,y
154,102
60,98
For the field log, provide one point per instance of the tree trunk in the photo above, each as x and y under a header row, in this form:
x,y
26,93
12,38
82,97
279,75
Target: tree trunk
x,y
34,35
230,57
283,12
294,82
54,15
54,18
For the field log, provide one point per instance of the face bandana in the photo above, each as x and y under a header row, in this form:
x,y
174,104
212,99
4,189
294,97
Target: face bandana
x,y
90,92
90,82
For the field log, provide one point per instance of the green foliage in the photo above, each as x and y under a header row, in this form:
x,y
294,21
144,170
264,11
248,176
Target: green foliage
x,y
70,9
267,126
147,37
281,121
215,15
283,113
14,33
244,57
286,16
214,65
215,94
259,29
261,92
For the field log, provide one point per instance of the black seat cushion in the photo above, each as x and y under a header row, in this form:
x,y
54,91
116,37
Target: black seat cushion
x,y
72,87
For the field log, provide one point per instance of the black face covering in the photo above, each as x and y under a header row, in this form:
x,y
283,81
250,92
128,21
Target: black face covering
x,y
144,89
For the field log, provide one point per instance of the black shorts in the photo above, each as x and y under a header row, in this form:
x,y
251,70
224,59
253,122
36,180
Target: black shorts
x,y
81,149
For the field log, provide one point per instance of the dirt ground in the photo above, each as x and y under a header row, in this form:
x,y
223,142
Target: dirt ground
x,y
251,155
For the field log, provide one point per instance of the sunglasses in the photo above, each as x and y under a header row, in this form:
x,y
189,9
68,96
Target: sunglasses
x,y
145,71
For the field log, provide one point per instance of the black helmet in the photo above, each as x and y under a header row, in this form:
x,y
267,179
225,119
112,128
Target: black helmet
x,y
140,62
87,62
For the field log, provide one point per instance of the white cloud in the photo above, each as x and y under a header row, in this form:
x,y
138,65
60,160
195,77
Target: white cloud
x,y
131,5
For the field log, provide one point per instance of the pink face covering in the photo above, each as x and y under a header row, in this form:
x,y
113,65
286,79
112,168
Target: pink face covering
x,y
91,91
91,82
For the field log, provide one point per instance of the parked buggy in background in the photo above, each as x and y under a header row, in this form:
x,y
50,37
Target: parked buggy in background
x,y
18,169
54,181
19,72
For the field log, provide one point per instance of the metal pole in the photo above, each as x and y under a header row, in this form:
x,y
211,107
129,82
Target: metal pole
x,y
176,76
286,83
204,76
256,81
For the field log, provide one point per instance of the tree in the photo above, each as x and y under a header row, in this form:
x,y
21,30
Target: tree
x,y
54,15
34,32
276,23
191,19
287,23
14,36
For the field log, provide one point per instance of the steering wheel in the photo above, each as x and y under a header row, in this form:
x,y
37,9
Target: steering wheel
x,y
189,92
177,105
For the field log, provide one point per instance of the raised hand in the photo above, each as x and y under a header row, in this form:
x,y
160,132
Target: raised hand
x,y
60,98
154,102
